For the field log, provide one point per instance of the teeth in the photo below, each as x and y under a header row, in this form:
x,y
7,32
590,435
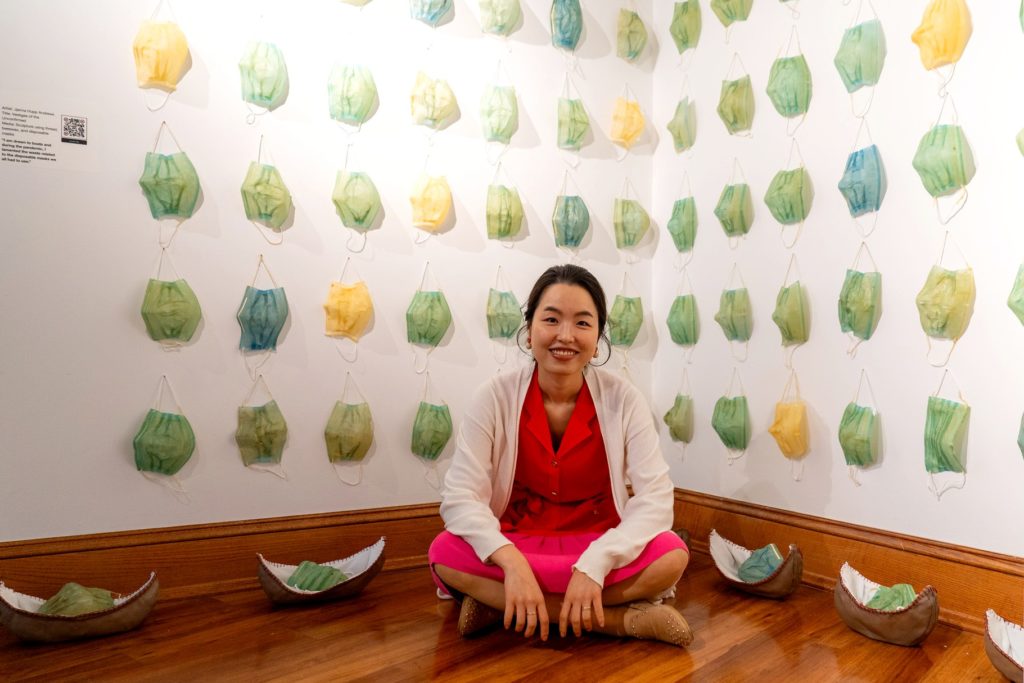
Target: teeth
x,y
563,353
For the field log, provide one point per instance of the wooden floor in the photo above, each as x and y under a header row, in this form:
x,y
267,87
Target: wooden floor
x,y
398,631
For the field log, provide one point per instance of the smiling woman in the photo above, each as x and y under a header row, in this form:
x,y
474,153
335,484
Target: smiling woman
x,y
538,529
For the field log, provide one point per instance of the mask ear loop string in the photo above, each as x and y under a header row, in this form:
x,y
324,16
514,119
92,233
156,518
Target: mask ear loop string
x,y
339,343
856,341
336,466
961,198
259,229
784,51
791,349
678,262
733,274
426,354
424,235
430,466
497,345
749,133
791,5
171,482
856,140
793,147
349,143
277,469
264,354
932,486
737,169
685,283
730,458
570,157
928,339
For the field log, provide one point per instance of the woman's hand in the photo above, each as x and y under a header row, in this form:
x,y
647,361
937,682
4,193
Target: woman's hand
x,y
524,601
581,606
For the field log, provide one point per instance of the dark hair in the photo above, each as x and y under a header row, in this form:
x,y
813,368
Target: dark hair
x,y
567,274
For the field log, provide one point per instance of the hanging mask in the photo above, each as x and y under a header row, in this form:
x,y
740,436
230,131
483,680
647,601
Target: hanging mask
x,y
349,432
566,23
790,315
264,75
261,434
499,112
499,16
736,105
427,318
860,303
858,435
944,431
627,122
349,309
261,316
790,195
431,430
682,320
573,123
863,183
789,86
735,315
735,210
504,212
624,320
682,226
351,92
631,222
943,34
356,200
433,102
161,52
504,316
265,196
570,221
731,421
164,443
861,55
170,184
683,126
729,11
686,25
170,310
631,36
1016,300
431,201
679,419
1020,436
430,12
944,160
790,428
946,302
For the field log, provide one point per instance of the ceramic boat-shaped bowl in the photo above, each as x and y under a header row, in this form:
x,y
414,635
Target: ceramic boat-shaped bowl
x,y
907,626
20,614
728,557
1004,645
360,569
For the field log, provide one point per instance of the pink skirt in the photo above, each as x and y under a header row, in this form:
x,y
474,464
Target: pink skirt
x,y
550,557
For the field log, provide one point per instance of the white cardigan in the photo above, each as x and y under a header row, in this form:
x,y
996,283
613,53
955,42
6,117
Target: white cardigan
x,y
479,481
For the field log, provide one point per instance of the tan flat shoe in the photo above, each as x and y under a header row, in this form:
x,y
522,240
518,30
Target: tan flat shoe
x,y
648,621
475,616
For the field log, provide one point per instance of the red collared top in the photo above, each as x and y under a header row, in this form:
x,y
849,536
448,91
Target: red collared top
x,y
565,490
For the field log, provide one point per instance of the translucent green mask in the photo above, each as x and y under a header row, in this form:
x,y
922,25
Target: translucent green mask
x,y
860,303
736,105
504,212
170,184
682,320
735,210
427,318
790,315
566,23
761,564
789,86
631,222
1020,436
499,113
74,599
499,16
264,75
261,434
573,123
631,36
944,430
164,443
861,55
261,315
356,200
683,223
731,422
431,430
946,302
679,419
863,184
683,125
624,320
349,432
887,599
858,435
570,221
503,315
729,11
944,160
686,24
265,196
351,92
170,310
430,12
1016,300
310,576
790,195
433,102
735,315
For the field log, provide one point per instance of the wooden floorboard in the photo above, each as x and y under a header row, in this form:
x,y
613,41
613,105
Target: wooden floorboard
x,y
397,630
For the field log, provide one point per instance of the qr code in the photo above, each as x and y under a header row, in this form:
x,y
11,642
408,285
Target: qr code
x,y
74,129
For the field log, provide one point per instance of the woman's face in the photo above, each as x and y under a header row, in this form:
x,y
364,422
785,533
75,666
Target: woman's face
x,y
563,333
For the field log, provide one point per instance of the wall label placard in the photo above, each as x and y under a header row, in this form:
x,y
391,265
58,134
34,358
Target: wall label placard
x,y
33,135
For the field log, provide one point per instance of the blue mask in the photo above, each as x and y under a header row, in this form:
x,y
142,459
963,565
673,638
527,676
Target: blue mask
x,y
430,12
566,23
570,220
863,183
261,316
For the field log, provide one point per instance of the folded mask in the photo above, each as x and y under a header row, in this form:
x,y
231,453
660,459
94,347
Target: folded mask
x,y
310,576
261,434
164,443
1016,300
730,11
682,320
349,431
860,303
431,202
264,75
790,428
790,195
731,422
504,212
433,102
566,23
944,160
945,428
735,210
504,316
736,105
265,196
858,435
170,311
431,430
170,184
946,302
734,314
761,564
73,599
348,310
356,200
630,221
790,315
631,35
573,123
627,122
261,315
686,25
499,113
887,599
427,318
682,225
789,86
624,320
570,221
430,12
679,419
351,92
943,33
499,17
863,184
861,55
161,53
683,126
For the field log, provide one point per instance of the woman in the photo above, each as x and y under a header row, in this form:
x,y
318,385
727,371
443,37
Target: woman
x,y
539,524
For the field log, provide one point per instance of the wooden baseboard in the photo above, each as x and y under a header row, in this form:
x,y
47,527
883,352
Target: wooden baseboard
x,y
968,581
210,558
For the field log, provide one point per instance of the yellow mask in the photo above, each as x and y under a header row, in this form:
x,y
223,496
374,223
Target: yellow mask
x,y
790,428
627,122
431,201
160,51
349,309
943,34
